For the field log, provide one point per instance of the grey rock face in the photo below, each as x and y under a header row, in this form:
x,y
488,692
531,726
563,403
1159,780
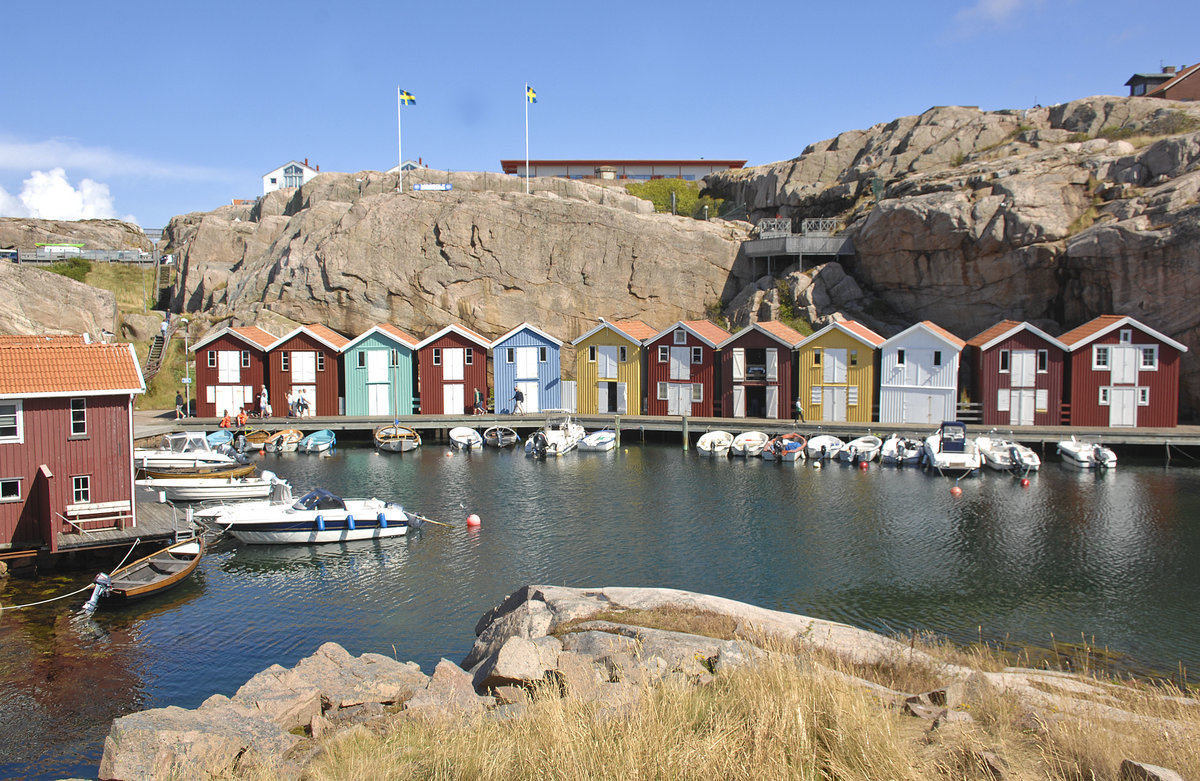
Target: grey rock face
x,y
42,302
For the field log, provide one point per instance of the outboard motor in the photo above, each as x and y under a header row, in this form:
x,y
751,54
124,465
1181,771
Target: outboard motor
x,y
539,444
103,582
1099,458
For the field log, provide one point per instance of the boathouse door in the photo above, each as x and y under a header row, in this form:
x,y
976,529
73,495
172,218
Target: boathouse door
x,y
453,399
1020,407
1122,406
611,397
833,403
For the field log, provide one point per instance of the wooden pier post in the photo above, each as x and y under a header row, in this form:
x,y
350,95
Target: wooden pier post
x,y
617,429
685,433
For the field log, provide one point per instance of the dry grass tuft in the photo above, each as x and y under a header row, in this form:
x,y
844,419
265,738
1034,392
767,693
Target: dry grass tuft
x,y
668,618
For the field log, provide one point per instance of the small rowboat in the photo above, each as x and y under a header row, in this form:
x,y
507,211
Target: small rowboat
x,y
236,470
748,443
714,443
465,438
501,436
251,438
823,446
862,449
318,441
284,441
150,575
604,439
785,447
395,438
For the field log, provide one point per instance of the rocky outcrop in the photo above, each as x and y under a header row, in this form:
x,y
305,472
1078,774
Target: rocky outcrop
x,y
351,250
42,302
1054,215
580,643
26,233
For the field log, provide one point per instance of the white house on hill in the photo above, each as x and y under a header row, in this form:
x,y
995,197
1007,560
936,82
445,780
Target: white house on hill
x,y
290,174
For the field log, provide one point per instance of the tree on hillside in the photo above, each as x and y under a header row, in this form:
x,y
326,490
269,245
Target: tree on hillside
x,y
687,197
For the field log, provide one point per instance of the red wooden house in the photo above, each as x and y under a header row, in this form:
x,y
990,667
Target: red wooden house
x,y
306,361
451,366
757,374
1122,373
231,369
1017,375
66,438
681,367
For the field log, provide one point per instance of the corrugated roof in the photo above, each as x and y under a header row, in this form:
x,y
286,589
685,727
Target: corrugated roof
x,y
62,367
1002,327
636,329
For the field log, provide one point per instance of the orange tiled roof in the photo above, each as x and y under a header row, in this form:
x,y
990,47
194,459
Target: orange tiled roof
x,y
253,333
635,328
400,334
782,331
38,339
861,331
1089,329
327,334
710,331
1002,327
942,332
60,367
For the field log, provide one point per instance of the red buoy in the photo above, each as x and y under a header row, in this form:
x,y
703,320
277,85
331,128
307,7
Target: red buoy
x,y
1024,482
862,465
473,520
956,491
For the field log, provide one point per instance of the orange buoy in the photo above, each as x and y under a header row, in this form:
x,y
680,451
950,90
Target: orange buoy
x,y
1024,482
956,491
473,520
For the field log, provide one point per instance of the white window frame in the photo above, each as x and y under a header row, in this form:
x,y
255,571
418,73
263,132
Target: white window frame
x,y
212,359
901,358
1104,395
395,358
8,496
509,355
662,391
469,356
1043,361
1005,362
81,489
18,420
81,431
591,353
1101,350
854,357
664,353
1152,351
622,354
1125,336
697,392
320,361
437,356
285,362
697,355
542,355
361,360
680,336
245,359
1143,396
817,357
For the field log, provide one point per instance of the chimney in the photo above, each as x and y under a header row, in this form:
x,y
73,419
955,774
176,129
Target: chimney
x,y
1168,69
306,162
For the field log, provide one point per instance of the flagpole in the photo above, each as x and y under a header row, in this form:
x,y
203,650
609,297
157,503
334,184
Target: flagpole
x,y
527,138
400,148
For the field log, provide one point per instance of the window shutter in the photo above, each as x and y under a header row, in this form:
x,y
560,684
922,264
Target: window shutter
x,y
1041,401
1002,399
852,396
816,395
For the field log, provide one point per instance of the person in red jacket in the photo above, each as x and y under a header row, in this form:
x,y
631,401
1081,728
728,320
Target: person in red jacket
x,y
226,422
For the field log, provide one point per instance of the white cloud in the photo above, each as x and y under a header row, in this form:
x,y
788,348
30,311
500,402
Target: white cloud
x,y
49,195
66,153
986,13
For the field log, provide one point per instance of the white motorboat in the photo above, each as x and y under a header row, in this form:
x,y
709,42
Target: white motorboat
x,y
318,516
900,451
604,439
823,446
714,443
561,434
1004,455
748,443
465,438
500,436
950,451
206,489
862,449
183,449
394,438
1086,455
785,447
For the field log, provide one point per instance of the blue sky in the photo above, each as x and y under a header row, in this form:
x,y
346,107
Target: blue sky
x,y
147,110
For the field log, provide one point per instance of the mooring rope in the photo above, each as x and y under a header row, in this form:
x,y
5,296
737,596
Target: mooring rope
x,y
73,593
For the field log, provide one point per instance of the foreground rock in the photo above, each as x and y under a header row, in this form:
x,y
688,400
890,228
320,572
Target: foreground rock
x,y
574,642
42,302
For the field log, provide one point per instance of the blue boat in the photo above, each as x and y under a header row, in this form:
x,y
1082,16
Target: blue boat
x,y
318,441
222,436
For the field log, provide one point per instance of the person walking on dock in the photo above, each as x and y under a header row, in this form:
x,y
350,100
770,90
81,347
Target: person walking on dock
x,y
518,402
799,411
179,406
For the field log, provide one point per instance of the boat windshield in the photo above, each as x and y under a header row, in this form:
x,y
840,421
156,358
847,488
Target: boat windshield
x,y
185,442
319,499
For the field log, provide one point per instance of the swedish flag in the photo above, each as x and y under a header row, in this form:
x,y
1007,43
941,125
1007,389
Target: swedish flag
x,y
407,99
530,95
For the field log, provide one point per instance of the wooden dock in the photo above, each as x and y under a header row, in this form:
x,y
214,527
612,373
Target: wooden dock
x,y
155,523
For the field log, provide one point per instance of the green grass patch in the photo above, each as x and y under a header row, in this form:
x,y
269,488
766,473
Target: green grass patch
x,y
75,268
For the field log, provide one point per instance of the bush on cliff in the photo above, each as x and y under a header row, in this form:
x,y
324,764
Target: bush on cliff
x,y
687,197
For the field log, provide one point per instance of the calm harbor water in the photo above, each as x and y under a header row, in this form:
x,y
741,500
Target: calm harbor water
x,y
1112,557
